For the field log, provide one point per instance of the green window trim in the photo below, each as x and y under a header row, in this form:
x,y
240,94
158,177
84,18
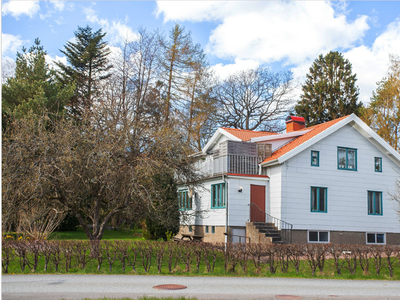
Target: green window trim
x,y
319,199
218,196
344,159
378,164
185,202
314,158
375,205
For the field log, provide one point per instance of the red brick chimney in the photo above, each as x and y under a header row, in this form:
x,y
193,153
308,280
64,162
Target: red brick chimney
x,y
295,123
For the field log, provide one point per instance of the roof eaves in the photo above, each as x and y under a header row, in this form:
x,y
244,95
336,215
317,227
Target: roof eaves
x,y
216,136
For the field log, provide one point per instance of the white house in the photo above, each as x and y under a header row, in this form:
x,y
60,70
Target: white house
x,y
326,183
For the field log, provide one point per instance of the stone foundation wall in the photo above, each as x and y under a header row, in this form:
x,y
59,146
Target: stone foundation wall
x,y
344,237
217,237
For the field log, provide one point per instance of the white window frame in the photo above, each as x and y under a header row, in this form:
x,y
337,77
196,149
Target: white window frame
x,y
318,242
384,238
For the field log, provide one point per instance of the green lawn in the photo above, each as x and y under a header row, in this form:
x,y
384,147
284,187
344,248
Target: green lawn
x,y
79,234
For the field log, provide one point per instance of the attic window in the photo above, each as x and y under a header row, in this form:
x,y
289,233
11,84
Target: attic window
x,y
315,158
378,164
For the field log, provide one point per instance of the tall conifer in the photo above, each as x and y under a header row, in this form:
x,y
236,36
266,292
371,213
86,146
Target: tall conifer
x,y
330,90
88,65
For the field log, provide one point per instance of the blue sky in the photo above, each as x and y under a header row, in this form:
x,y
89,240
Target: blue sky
x,y
235,35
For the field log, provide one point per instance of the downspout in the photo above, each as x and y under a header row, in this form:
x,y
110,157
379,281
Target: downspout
x,y
226,208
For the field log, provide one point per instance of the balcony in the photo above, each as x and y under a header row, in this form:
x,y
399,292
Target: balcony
x,y
230,163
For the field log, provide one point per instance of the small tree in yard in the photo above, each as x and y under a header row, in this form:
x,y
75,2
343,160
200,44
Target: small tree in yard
x,y
87,167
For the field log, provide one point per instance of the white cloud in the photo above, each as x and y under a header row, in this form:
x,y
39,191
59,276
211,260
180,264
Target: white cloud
x,y
269,31
58,5
18,8
371,63
10,43
223,71
52,60
116,30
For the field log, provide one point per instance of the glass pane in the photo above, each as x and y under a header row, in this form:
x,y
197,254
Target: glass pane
x,y
206,229
213,191
313,236
378,164
351,156
371,238
370,202
323,236
223,195
342,158
218,195
378,203
314,199
314,160
380,238
322,199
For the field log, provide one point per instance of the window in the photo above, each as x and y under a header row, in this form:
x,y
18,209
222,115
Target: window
x,y
218,195
374,203
347,159
319,199
378,164
315,158
190,228
375,238
206,229
318,236
212,229
185,202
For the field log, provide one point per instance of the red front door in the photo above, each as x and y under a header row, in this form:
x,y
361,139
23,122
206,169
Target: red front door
x,y
257,203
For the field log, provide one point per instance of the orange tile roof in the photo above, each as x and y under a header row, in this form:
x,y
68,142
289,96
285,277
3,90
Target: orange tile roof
x,y
246,135
314,130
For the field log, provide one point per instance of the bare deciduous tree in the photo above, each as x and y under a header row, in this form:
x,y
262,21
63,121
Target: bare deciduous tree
x,y
254,99
88,167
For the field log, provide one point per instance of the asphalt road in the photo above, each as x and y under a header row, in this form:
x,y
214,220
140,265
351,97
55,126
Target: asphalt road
x,y
117,286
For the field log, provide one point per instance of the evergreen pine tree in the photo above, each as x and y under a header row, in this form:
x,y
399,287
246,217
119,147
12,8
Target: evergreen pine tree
x,y
330,90
33,88
88,65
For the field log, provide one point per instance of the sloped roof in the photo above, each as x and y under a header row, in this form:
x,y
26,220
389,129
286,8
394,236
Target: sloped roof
x,y
313,131
246,135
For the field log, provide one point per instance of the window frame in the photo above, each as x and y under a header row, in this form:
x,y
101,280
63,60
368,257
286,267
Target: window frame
x,y
222,195
318,235
184,203
213,229
207,229
374,203
190,228
380,164
376,238
318,198
347,158
312,164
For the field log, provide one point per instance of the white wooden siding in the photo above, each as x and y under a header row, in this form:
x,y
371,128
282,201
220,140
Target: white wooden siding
x,y
238,203
347,190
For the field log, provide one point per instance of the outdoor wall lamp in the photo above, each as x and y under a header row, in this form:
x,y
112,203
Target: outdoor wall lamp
x,y
240,189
